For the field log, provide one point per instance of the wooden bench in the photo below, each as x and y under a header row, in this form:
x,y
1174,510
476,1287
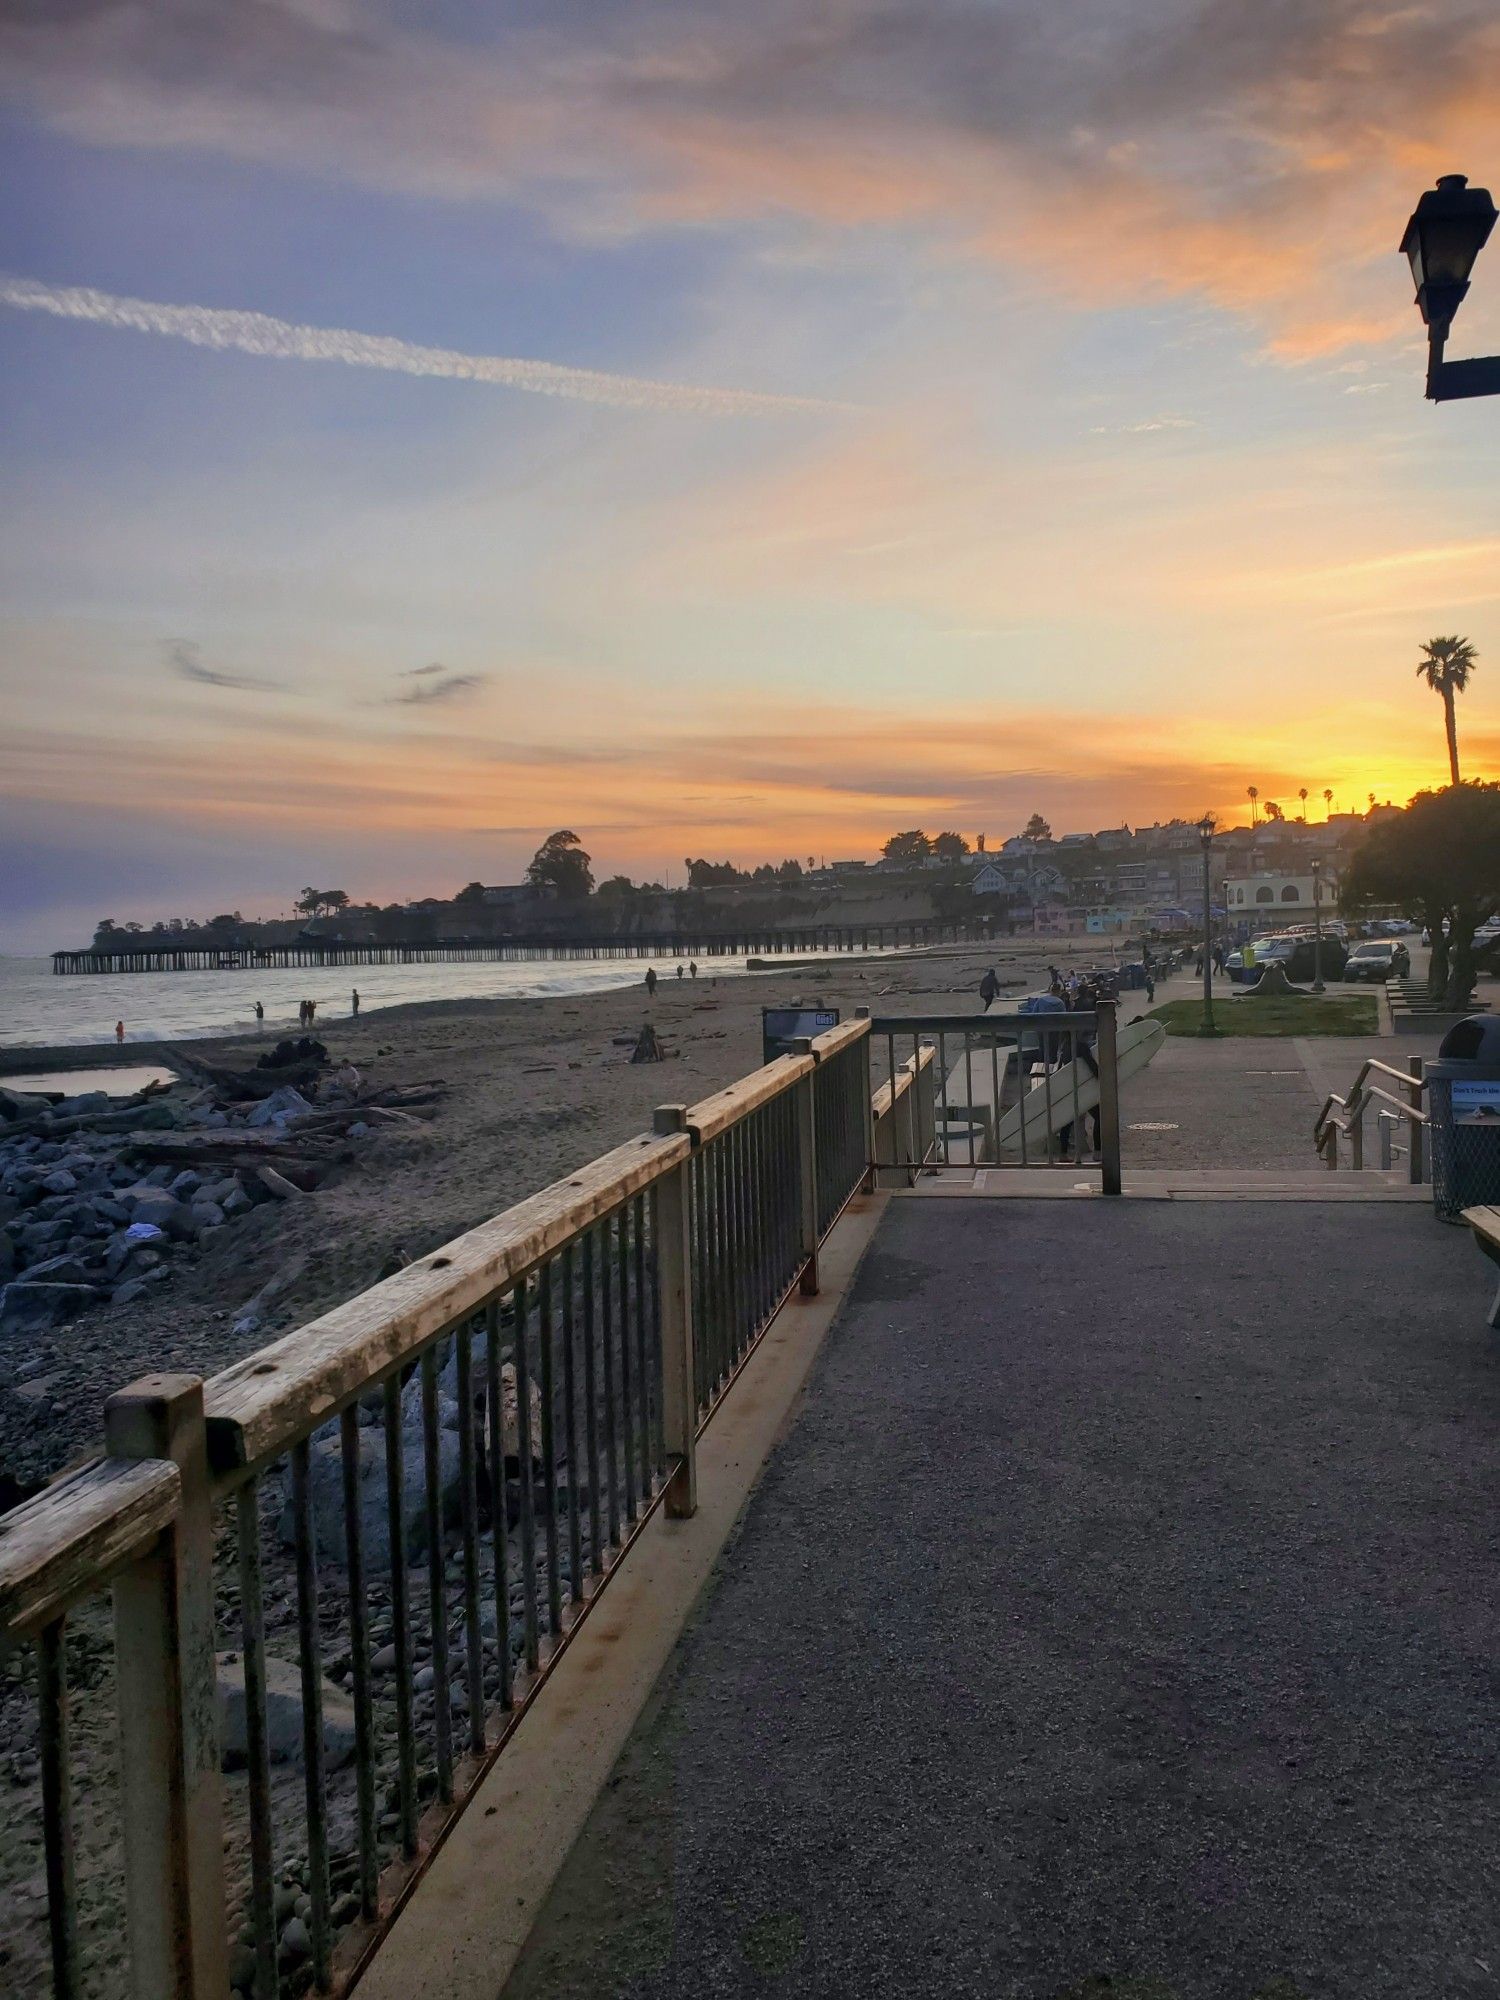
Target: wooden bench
x,y
1485,1223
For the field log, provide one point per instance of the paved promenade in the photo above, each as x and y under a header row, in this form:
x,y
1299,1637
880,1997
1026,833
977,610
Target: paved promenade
x,y
1119,1617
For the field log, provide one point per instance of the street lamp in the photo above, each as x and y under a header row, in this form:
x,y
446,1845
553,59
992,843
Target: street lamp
x,y
1317,875
1206,841
1448,228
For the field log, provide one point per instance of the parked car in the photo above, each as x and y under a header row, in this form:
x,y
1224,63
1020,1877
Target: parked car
x,y
1384,958
1300,964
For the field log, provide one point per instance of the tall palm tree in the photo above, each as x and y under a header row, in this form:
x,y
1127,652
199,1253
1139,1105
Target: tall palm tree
x,y
1446,666
1302,794
1328,802
1254,795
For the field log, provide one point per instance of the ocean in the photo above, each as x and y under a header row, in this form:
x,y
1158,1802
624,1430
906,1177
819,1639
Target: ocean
x,y
39,1009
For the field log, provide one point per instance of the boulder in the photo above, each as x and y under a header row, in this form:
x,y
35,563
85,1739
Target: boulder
x,y
85,1102
32,1308
65,1270
283,1715
60,1181
237,1202
207,1214
279,1107
325,1463
186,1184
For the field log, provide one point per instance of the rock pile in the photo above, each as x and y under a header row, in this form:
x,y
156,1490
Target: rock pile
x,y
98,1196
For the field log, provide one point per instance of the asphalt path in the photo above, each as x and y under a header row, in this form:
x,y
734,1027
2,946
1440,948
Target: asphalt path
x,y
1119,1617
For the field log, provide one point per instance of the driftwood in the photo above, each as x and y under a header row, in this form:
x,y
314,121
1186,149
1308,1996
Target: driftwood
x,y
235,1148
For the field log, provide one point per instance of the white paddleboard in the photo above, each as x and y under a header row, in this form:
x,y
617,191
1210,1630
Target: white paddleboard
x,y
1072,1090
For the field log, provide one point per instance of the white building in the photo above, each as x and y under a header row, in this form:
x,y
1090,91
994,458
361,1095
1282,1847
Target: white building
x,y
1277,898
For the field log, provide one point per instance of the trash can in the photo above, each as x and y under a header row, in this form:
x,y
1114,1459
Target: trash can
x,y
1463,1109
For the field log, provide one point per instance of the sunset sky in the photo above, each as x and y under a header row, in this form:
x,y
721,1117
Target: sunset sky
x,y
950,409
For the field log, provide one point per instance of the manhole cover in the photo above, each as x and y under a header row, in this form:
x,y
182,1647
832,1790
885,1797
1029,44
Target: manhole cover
x,y
1153,1125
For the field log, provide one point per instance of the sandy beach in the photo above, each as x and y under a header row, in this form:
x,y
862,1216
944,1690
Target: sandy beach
x,y
536,1088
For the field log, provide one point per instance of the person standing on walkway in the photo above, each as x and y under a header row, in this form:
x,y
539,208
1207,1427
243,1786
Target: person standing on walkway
x,y
989,988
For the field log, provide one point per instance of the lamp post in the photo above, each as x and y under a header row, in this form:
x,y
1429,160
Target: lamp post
x,y
1206,840
1317,875
1446,231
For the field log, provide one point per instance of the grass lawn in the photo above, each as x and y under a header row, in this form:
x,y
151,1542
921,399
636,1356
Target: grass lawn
x,y
1347,1014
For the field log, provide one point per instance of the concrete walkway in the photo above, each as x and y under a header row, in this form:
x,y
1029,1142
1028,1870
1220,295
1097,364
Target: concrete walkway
x,y
1120,1616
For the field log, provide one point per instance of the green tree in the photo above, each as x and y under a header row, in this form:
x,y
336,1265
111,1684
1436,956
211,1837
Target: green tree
x,y
949,846
310,902
912,845
791,870
560,864
703,874
470,893
335,901
1036,828
1272,810
1446,665
615,889
1438,860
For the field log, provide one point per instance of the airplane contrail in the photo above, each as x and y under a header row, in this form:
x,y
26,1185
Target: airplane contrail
x,y
283,340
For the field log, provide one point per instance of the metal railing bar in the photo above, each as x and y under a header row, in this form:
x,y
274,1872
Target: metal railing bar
x,y
570,1431
437,1608
359,1662
525,1463
257,1746
546,1370
310,1656
607,1329
627,1372
591,1406
468,1502
643,1343
401,1635
57,1808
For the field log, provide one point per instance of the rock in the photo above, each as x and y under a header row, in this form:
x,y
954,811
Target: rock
x,y
359,1129
236,1202
185,1185
207,1214
57,1271
411,1401
28,1308
60,1181
153,1204
383,1660
110,1210
327,1492
241,1968
86,1101
295,1942
132,1289
283,1715
278,1107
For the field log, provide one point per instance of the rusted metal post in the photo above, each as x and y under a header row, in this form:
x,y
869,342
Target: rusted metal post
x,y
674,1255
807,1160
169,1737
1415,1167
1331,1146
1109,1099
867,1098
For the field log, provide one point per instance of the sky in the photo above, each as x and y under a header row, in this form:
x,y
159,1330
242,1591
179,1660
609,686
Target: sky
x,y
724,430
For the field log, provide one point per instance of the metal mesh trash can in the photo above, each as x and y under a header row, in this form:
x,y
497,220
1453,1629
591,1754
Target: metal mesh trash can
x,y
1463,1108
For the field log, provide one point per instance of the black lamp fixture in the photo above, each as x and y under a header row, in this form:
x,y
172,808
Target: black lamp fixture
x,y
1448,228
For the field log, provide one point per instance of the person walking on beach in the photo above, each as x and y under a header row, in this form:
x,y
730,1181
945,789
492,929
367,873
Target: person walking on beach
x,y
312,1008
260,1012
651,982
355,996
119,1031
989,988
681,971
692,968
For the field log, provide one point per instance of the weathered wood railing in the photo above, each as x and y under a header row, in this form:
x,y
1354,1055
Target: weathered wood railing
x,y
342,1567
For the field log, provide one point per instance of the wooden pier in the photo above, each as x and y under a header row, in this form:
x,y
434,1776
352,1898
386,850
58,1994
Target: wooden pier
x,y
314,954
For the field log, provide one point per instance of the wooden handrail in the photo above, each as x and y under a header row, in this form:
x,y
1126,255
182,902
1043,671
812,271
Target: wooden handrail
x,y
713,1115
259,1406
66,1542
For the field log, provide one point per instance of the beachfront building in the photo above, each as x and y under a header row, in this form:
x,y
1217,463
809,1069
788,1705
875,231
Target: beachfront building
x,y
1271,899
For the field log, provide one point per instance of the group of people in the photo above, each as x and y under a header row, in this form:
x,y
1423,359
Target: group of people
x,y
691,970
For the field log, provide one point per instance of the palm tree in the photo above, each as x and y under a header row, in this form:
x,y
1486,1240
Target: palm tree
x,y
1302,794
1328,802
1254,795
1446,666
